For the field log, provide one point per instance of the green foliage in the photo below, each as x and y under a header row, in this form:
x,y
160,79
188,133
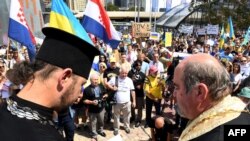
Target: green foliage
x,y
111,7
215,12
133,9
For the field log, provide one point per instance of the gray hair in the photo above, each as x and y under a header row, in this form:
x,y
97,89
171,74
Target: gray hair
x,y
124,68
94,75
214,76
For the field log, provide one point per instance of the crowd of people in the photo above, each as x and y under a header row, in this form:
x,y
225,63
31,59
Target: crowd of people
x,y
208,84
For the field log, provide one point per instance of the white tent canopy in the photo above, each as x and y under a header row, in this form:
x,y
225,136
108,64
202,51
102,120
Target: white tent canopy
x,y
175,16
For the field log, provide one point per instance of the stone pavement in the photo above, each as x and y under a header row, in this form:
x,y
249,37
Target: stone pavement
x,y
136,134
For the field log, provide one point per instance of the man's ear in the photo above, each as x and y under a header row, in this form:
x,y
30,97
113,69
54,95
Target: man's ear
x,y
63,78
202,92
65,75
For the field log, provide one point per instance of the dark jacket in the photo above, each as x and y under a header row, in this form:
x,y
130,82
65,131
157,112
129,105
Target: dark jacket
x,y
14,128
90,95
138,78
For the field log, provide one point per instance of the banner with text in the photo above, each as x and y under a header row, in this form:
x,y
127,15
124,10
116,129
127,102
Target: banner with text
x,y
212,29
141,30
186,29
201,31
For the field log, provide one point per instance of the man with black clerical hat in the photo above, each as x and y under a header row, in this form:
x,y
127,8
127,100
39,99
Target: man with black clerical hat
x,y
51,83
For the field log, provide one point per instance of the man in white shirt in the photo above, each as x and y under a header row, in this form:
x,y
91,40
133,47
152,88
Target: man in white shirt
x,y
124,89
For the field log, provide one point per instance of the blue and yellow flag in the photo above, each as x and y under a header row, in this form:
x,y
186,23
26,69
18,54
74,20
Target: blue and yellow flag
x,y
62,18
222,37
247,37
230,28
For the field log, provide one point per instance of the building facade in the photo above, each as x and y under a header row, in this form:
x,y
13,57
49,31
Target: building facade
x,y
77,5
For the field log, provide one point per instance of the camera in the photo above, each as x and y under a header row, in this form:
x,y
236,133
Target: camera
x,y
99,103
113,101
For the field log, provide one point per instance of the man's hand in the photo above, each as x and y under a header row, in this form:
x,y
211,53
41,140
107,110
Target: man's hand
x,y
105,97
133,104
156,99
77,100
138,86
95,102
115,88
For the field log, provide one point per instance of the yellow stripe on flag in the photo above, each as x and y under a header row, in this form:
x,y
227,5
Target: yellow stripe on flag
x,y
61,22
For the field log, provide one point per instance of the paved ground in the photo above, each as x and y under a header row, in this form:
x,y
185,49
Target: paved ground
x,y
136,134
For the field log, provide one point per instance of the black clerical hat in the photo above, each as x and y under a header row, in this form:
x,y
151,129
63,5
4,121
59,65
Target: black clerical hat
x,y
66,50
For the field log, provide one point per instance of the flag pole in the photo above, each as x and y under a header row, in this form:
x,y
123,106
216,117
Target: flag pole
x,y
8,50
139,8
155,22
135,9
150,13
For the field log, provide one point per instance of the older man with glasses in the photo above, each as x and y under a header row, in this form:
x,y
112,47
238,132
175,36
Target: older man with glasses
x,y
124,91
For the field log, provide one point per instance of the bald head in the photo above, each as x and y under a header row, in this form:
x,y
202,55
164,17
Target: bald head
x,y
202,58
203,68
159,122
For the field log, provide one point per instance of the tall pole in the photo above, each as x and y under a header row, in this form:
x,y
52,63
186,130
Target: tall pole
x,y
135,9
150,12
139,8
155,22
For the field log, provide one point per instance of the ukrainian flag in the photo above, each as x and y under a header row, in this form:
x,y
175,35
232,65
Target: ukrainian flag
x,y
230,28
222,37
247,37
62,18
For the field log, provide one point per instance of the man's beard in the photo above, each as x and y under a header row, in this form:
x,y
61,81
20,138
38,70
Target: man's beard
x,y
65,103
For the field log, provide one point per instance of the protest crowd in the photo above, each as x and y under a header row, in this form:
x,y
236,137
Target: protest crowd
x,y
134,85
144,67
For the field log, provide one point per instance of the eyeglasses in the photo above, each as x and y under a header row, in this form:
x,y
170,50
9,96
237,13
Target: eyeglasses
x,y
243,60
102,66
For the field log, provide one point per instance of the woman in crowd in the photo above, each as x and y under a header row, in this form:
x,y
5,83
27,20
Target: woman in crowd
x,y
237,76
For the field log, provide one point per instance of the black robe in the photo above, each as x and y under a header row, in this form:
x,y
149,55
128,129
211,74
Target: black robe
x,y
13,128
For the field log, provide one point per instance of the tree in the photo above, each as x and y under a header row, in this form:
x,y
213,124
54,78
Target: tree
x,y
216,12
133,9
111,7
